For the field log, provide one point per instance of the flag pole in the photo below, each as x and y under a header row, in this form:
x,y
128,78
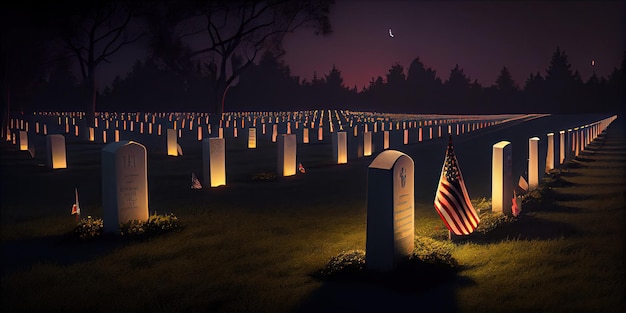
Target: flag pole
x,y
449,235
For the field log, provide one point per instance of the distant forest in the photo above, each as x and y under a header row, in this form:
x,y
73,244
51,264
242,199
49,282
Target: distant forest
x,y
270,86
40,43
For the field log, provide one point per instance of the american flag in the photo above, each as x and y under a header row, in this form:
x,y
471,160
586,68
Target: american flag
x,y
451,200
75,206
195,183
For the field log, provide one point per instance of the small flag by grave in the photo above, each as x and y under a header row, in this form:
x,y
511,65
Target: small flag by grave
x,y
195,183
75,206
301,168
451,200
522,186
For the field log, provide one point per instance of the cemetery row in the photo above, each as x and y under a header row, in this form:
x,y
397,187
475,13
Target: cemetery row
x,y
310,126
390,183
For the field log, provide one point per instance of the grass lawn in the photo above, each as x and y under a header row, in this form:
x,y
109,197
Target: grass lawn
x,y
255,246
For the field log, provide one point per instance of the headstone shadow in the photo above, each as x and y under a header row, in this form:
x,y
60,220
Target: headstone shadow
x,y
64,249
427,288
525,227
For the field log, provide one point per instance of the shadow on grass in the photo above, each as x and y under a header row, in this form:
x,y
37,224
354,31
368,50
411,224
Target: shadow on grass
x,y
525,227
412,286
64,249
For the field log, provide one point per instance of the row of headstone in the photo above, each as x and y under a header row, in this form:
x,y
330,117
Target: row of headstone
x,y
390,194
71,123
571,143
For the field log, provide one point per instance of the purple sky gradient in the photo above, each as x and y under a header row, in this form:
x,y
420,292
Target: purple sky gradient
x,y
481,37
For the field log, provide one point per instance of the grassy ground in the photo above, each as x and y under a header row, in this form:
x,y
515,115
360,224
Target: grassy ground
x,y
253,246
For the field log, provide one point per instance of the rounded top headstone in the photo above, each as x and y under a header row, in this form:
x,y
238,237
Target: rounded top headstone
x,y
386,159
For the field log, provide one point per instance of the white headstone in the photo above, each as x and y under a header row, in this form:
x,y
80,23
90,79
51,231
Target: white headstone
x,y
124,184
55,147
367,143
251,138
172,142
550,153
340,147
502,178
213,162
23,140
286,155
561,146
390,211
385,140
274,132
305,135
533,163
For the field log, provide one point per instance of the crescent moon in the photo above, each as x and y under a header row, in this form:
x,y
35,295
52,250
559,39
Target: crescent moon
x,y
390,33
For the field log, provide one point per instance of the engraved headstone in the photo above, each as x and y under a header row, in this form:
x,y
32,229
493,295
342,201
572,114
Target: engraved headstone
x,y
55,148
213,162
390,210
124,184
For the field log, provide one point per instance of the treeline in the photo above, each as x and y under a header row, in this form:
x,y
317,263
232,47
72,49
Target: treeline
x,y
269,86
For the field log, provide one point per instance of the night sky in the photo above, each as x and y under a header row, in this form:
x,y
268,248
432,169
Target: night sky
x,y
480,36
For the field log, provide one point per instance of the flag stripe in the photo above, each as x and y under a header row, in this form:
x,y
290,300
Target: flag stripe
x,y
459,206
452,201
449,207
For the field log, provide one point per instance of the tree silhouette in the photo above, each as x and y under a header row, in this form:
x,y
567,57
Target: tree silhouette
x,y
505,82
534,94
423,85
615,86
93,31
334,79
242,28
24,56
396,76
457,89
562,86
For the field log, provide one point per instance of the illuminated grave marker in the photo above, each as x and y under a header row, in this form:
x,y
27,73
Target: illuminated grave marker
x,y
56,153
286,155
561,146
274,132
385,140
340,148
124,184
367,143
390,211
305,135
502,178
550,153
23,140
214,162
251,138
172,142
533,163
